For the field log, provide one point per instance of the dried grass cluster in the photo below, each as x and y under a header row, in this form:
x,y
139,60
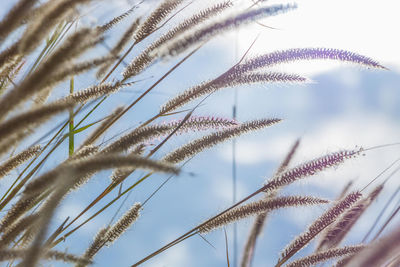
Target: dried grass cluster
x,y
47,33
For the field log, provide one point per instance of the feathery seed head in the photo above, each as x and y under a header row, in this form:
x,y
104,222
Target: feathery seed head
x,y
310,168
145,58
205,33
94,91
18,126
296,54
84,168
258,207
113,22
123,223
85,151
18,159
203,123
326,255
97,243
198,145
11,232
337,231
13,254
156,17
17,210
118,48
146,133
228,79
319,225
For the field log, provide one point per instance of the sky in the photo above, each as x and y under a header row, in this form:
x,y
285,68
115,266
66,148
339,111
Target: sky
x,y
366,27
344,107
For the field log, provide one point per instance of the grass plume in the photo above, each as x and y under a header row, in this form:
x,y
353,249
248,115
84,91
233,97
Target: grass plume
x,y
258,207
325,255
20,158
318,225
47,44
198,145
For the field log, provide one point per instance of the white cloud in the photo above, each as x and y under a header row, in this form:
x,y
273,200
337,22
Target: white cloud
x,y
362,26
221,188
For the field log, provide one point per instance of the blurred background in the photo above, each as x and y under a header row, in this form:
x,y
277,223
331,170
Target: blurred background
x,y
343,107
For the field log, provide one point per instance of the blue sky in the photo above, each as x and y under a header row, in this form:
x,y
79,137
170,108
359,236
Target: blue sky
x,y
343,107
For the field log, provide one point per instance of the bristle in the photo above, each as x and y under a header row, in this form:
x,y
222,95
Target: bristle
x,y
193,38
66,257
139,149
155,18
343,261
309,168
68,72
32,118
121,174
198,145
19,159
94,92
9,70
326,255
83,167
289,156
24,204
14,17
375,193
75,45
14,140
338,230
108,235
37,247
13,254
225,81
190,23
137,136
268,78
378,252
96,245
144,59
15,229
113,22
137,65
54,13
258,207
84,152
119,46
123,223
8,56
143,134
318,225
198,123
296,54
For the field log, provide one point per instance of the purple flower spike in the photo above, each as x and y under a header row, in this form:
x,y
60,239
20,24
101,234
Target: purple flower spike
x,y
290,55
